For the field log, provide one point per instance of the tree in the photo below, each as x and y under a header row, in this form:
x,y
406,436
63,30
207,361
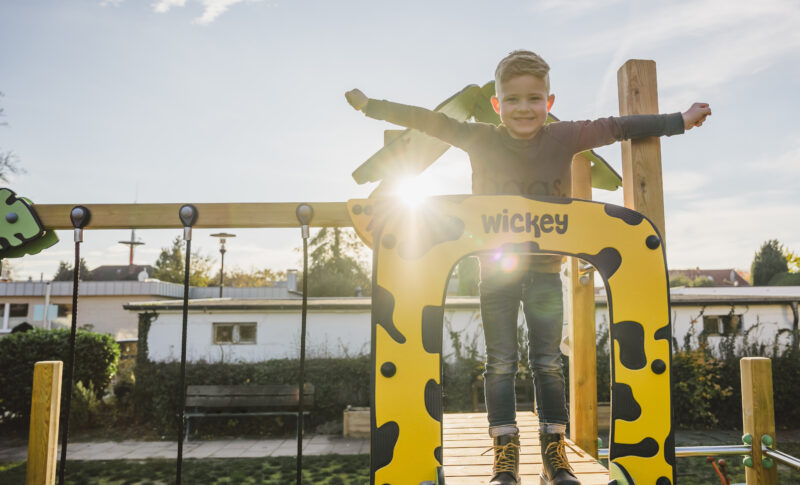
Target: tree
x,y
172,261
679,280
336,264
768,261
9,163
239,278
468,270
65,270
793,260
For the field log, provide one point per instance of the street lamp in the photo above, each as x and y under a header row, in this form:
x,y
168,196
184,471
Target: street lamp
x,y
222,237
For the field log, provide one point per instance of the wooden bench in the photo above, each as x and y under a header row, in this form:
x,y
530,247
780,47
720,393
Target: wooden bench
x,y
270,400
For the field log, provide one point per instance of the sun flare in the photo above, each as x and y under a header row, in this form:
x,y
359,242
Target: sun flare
x,y
413,191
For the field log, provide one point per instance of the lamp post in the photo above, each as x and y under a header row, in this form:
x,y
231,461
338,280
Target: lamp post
x,y
222,237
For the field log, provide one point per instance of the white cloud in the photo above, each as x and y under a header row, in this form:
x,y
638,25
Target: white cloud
x,y
213,9
684,183
112,3
709,42
573,7
785,164
164,6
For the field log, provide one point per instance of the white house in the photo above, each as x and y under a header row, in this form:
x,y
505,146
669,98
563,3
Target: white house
x,y
232,330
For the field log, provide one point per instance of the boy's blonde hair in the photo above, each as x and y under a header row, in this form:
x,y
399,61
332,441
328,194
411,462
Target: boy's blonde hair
x,y
521,62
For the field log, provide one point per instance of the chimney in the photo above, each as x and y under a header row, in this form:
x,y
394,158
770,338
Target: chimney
x,y
291,279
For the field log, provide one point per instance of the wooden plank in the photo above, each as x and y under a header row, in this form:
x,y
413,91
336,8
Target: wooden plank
x,y
758,415
641,159
466,439
43,436
216,216
580,315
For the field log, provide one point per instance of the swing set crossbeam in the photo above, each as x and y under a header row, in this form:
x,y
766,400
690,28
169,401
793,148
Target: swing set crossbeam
x,y
210,215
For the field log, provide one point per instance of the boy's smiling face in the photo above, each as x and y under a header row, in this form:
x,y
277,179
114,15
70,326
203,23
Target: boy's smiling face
x,y
523,103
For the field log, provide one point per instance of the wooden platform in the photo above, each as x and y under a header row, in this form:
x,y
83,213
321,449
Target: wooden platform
x,y
466,437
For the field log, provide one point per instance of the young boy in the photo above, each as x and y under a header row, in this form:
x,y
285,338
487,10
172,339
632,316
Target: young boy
x,y
523,156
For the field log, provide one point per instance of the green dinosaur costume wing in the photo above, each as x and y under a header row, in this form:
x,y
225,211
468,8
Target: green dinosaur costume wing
x,y
412,152
21,232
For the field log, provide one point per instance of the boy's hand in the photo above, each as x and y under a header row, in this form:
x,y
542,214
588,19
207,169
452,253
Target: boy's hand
x,y
695,115
356,98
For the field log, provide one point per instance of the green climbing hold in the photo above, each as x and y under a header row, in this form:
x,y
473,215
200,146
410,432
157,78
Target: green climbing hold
x,y
747,439
767,463
747,461
767,440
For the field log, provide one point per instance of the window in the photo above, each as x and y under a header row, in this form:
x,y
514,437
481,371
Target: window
x,y
18,310
64,310
722,325
234,333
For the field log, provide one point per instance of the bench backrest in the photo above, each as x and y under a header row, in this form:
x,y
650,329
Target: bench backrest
x,y
249,397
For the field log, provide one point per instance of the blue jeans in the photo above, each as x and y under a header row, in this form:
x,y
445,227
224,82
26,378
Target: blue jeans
x,y
540,294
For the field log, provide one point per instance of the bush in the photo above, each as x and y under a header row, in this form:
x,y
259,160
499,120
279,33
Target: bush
x,y
337,383
95,363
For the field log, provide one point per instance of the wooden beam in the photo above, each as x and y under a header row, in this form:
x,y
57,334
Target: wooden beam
x,y
641,159
580,315
758,415
45,410
216,216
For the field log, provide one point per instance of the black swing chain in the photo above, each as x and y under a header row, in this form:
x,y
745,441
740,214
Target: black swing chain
x,y
80,217
304,214
188,216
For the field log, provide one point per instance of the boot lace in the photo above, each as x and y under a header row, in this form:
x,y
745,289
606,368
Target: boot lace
x,y
559,454
504,457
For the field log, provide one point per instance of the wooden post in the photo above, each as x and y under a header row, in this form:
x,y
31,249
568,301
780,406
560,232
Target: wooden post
x,y
580,315
45,410
641,159
758,415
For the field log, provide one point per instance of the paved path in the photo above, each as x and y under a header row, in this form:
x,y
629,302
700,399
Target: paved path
x,y
141,450
313,445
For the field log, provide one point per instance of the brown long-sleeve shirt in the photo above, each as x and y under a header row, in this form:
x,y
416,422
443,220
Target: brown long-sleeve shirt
x,y
542,165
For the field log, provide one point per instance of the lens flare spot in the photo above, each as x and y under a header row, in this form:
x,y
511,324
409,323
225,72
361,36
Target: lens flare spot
x,y
509,262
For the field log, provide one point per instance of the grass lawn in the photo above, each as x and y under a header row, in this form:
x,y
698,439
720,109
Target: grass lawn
x,y
319,470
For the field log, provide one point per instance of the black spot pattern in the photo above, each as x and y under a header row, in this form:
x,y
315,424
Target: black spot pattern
x,y
383,442
663,481
607,261
437,453
663,333
432,318
623,405
630,336
652,241
669,448
383,311
388,369
658,366
630,217
430,230
520,248
647,448
433,400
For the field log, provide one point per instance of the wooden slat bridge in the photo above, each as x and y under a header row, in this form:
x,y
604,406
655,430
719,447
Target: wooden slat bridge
x,y
465,439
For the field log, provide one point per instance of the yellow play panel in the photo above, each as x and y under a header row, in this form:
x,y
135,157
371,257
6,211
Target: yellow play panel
x,y
465,440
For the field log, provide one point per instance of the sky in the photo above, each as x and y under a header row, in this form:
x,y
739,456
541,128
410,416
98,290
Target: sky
x,y
121,101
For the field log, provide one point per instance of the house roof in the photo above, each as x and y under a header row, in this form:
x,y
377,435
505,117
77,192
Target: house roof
x,y
678,296
127,272
720,277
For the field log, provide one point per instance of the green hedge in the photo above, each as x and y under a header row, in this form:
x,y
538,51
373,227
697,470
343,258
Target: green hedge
x,y
95,363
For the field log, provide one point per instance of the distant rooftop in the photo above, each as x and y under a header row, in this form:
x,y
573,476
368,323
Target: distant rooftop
x,y
720,277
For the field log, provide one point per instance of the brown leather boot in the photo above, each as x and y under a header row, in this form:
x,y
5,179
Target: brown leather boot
x,y
506,460
555,467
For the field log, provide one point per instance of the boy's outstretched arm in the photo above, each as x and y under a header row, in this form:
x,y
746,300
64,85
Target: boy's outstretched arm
x,y
694,116
356,98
